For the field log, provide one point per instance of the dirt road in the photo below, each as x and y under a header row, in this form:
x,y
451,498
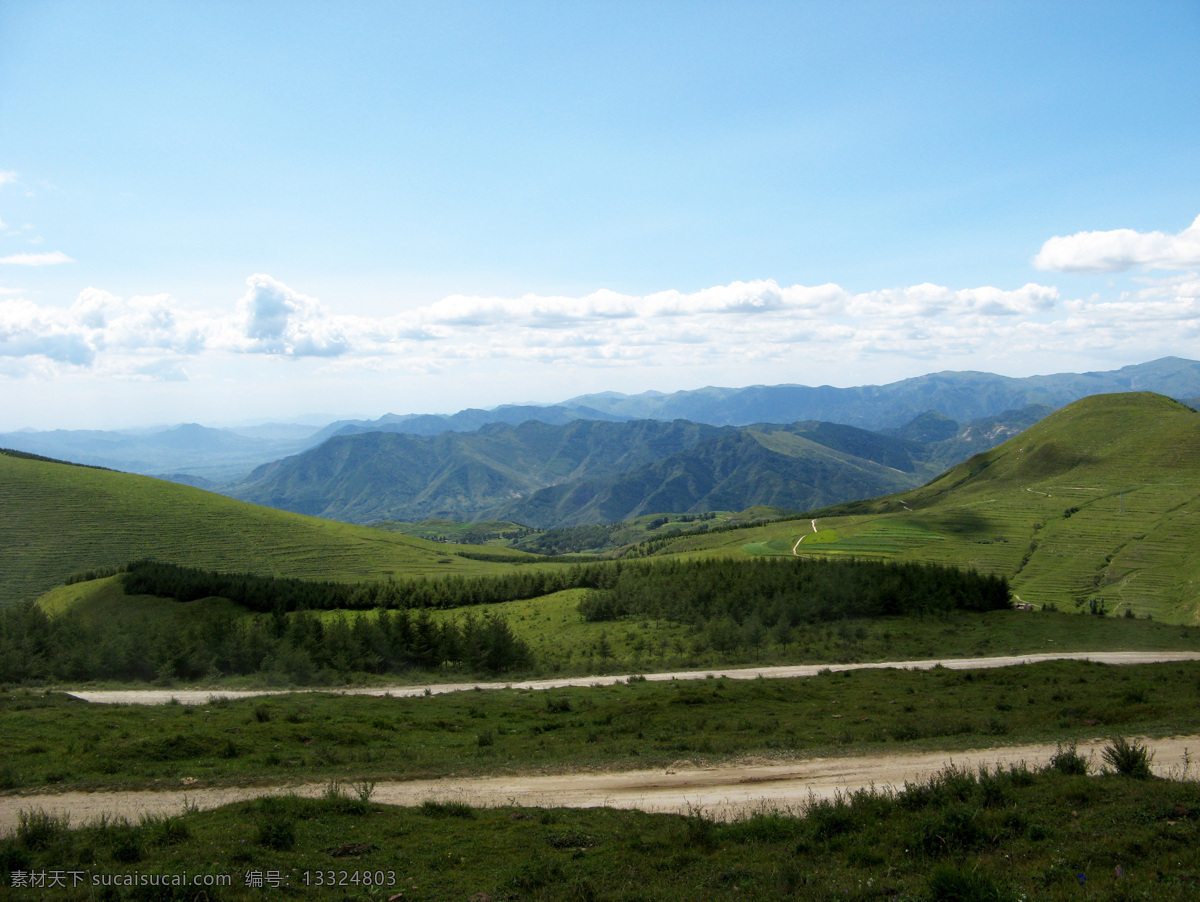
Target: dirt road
x,y
724,791
200,696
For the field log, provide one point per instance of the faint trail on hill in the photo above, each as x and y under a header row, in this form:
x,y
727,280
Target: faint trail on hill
x,y
724,791
802,538
201,696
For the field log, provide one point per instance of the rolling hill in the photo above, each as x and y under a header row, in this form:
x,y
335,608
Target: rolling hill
x,y
1096,507
57,519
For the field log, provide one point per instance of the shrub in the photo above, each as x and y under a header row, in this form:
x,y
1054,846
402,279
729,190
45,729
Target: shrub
x,y
1067,760
1129,759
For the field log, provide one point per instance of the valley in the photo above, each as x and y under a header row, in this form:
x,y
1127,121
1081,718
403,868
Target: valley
x,y
770,668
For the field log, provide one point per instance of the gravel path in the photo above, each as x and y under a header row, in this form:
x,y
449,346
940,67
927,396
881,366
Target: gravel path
x,y
200,696
724,791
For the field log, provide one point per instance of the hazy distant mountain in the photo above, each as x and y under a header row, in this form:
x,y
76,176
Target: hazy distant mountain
x,y
928,409
961,396
376,476
586,471
466,420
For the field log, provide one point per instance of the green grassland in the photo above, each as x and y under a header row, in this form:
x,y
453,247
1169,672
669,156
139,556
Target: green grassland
x,y
999,835
1096,505
490,532
57,519
55,742
564,643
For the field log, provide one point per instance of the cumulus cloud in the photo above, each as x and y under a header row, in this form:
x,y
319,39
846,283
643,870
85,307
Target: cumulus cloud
x,y
274,319
51,259
99,330
1121,249
27,330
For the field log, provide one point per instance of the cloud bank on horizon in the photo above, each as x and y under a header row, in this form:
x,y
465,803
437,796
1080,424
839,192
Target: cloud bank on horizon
x,y
155,338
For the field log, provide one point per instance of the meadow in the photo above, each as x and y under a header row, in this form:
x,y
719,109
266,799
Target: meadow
x,y
54,741
993,835
1082,514
60,519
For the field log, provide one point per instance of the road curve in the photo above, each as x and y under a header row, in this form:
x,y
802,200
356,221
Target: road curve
x,y
201,696
725,791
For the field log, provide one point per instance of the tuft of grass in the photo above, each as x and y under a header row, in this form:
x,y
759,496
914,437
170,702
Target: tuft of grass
x,y
436,809
40,829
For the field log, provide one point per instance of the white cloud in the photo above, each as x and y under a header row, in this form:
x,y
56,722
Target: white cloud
x,y
824,327
276,320
27,330
1121,249
48,259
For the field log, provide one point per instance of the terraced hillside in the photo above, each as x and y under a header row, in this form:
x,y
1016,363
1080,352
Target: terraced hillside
x,y
1095,507
57,519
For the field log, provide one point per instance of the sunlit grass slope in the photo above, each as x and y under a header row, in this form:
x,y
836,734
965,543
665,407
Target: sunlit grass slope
x,y
57,519
1099,503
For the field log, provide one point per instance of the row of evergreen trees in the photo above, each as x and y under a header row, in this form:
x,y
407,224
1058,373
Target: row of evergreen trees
x,y
271,593
300,647
794,591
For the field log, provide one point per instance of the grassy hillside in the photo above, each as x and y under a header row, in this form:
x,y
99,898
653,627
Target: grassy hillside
x,y
57,519
1096,505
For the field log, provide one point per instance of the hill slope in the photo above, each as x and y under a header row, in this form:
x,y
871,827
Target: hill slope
x,y
799,467
1098,505
57,519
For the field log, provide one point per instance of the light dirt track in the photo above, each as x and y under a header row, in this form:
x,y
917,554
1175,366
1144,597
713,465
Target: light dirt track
x,y
201,696
725,791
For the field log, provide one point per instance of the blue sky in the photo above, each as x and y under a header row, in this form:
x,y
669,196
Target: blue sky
x,y
227,211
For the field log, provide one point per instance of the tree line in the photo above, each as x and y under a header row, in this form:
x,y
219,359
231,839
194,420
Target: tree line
x,y
300,648
800,591
261,593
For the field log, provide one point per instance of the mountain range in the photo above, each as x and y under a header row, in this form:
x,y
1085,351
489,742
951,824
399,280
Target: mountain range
x,y
589,471
607,457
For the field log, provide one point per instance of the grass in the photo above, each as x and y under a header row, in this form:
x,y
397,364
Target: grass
x,y
564,644
999,836
53,742
60,519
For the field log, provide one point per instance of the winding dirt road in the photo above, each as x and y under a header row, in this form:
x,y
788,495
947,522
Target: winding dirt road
x,y
725,791
201,696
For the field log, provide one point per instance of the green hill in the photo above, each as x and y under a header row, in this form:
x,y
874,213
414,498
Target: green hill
x,y
57,519
1095,507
